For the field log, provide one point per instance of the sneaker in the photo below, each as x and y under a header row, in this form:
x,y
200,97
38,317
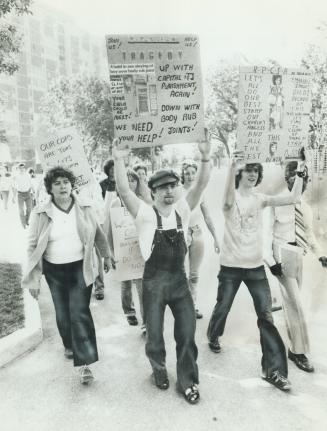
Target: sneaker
x,y
99,296
278,380
192,394
86,375
132,320
214,346
68,353
301,361
198,314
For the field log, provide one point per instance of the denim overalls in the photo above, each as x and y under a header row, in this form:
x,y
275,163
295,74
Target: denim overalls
x,y
165,283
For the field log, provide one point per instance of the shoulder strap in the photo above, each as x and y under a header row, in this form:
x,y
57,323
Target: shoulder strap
x,y
178,221
159,220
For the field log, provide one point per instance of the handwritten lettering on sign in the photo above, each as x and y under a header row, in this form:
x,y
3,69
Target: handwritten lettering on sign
x,y
156,88
65,148
129,261
273,115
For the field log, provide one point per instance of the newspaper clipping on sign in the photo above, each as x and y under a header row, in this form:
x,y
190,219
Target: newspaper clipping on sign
x,y
156,88
65,148
316,156
129,261
273,115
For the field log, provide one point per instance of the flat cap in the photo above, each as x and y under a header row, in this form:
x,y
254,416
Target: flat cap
x,y
161,177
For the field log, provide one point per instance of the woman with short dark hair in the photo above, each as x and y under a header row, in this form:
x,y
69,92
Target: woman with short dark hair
x,y
62,235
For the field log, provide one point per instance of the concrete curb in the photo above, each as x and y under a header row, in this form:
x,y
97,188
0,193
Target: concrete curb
x,y
25,339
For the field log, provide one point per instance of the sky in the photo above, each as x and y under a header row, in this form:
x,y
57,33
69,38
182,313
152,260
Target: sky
x,y
229,29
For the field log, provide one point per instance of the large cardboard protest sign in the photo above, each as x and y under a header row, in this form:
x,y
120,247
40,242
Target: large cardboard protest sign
x,y
156,89
273,114
65,148
316,154
129,261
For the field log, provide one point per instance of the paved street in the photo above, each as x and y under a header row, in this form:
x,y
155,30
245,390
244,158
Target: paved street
x,y
40,391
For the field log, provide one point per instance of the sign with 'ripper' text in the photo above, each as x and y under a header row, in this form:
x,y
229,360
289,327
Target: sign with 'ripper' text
x,y
156,89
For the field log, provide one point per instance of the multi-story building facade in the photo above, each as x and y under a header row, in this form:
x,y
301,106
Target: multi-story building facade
x,y
52,46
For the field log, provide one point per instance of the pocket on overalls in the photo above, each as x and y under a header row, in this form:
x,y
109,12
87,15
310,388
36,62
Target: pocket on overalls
x,y
149,272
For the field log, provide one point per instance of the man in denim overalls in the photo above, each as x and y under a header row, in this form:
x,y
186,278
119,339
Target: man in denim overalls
x,y
161,230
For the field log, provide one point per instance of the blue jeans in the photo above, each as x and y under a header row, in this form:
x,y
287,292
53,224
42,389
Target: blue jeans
x,y
230,278
25,205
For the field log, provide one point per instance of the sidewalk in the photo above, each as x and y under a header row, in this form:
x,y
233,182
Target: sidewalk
x,y
40,390
13,249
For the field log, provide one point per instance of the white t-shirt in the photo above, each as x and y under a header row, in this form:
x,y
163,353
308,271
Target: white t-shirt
x,y
243,236
64,245
146,223
23,182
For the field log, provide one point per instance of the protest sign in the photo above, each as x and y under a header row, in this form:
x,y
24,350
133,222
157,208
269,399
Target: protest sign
x,y
109,197
316,155
129,261
65,148
156,89
273,114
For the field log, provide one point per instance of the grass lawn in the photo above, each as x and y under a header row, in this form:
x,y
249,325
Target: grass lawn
x,y
11,299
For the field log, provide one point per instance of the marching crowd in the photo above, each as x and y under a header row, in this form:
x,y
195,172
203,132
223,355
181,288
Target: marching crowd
x,y
70,234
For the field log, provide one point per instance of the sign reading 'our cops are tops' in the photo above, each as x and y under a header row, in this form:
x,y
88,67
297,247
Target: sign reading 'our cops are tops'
x,y
65,148
156,89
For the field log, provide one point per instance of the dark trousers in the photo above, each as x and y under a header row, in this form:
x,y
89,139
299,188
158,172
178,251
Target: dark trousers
x,y
25,205
230,278
71,298
127,297
161,288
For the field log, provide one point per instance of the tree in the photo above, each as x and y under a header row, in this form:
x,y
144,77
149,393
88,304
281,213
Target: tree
x,y
315,62
221,111
9,38
222,102
86,104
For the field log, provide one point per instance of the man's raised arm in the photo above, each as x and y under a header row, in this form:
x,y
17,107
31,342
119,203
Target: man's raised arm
x,y
130,200
193,196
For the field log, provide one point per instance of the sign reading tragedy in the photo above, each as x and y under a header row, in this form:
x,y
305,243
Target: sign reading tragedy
x,y
273,114
65,148
156,88
129,261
